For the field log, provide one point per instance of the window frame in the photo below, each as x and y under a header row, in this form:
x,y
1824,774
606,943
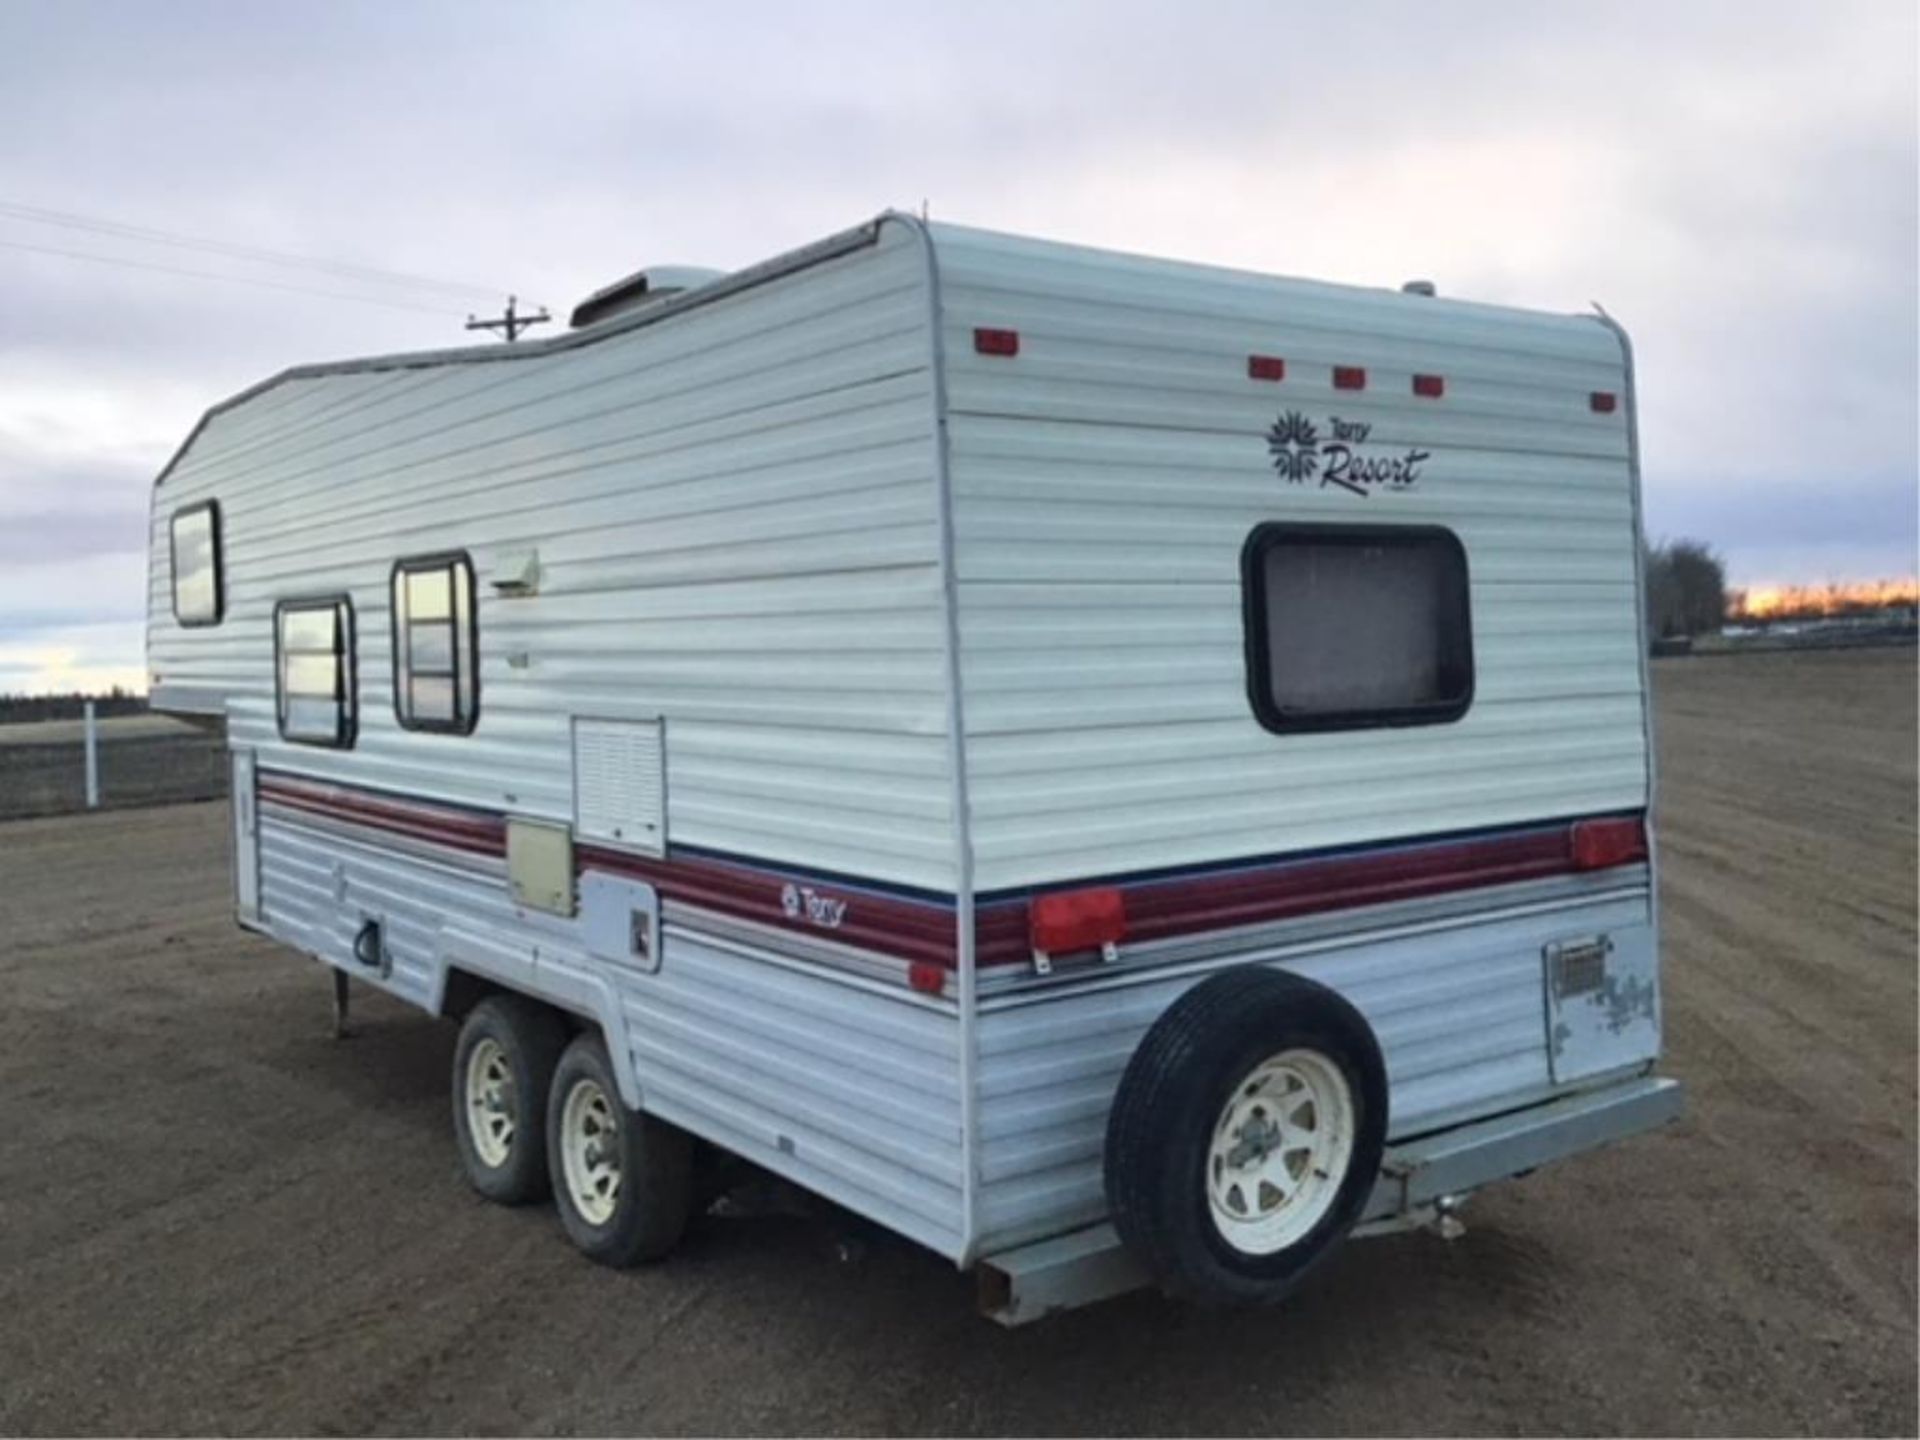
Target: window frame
x,y
418,564
212,508
347,730
1260,693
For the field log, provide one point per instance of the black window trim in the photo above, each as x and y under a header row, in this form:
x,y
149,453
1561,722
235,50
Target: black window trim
x,y
212,507
414,564
1254,612
348,730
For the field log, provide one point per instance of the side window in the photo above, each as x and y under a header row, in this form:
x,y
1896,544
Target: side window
x,y
313,654
1356,626
199,596
436,676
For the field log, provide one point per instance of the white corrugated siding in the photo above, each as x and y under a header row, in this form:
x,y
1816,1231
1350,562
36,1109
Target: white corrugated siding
x,y
1106,480
846,1089
1457,1013
737,530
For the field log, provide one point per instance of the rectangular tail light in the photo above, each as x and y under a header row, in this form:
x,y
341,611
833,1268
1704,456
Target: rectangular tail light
x,y
1074,920
1619,840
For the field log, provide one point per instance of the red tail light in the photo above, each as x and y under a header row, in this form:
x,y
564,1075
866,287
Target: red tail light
x,y
997,342
1598,844
1349,377
1266,367
1602,402
1431,386
927,978
1077,920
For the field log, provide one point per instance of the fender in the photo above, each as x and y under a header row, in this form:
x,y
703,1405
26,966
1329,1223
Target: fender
x,y
541,974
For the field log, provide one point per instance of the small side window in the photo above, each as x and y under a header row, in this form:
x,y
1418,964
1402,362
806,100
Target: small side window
x,y
436,646
313,651
199,595
1356,626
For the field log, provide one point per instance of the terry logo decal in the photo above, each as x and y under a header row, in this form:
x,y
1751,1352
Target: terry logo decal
x,y
1300,454
803,902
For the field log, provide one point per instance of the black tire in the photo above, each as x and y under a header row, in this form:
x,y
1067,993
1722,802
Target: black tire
x,y
528,1038
655,1187
1172,1097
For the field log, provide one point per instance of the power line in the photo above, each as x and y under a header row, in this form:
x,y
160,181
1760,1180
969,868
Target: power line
x,y
340,269
231,279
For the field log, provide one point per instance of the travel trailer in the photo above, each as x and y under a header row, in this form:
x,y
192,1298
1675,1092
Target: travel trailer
x,y
1119,771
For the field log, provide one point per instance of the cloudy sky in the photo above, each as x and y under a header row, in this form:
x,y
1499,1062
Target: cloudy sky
x,y
1736,182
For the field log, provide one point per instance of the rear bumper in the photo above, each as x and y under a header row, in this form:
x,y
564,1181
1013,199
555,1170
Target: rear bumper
x,y
1418,1173
1418,1179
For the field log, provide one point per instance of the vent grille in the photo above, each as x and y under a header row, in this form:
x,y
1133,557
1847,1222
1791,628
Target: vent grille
x,y
619,784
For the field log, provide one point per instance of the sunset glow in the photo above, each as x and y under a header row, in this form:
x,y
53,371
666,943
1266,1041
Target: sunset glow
x,y
1798,602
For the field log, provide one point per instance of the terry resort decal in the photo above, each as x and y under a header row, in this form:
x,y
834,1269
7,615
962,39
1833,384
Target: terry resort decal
x,y
803,902
1299,454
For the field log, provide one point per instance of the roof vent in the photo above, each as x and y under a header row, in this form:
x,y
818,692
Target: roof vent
x,y
643,287
1412,287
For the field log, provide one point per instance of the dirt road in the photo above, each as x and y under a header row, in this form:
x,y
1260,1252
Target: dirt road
x,y
212,1217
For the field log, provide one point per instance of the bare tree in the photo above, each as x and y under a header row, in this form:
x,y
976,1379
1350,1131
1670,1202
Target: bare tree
x,y
1686,588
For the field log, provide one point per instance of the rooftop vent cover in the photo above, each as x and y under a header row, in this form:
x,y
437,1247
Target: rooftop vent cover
x,y
643,287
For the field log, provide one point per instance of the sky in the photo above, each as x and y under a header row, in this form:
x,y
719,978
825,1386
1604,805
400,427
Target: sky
x,y
1735,182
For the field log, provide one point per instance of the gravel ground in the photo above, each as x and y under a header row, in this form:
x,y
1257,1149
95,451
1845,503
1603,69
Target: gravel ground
x,y
213,1217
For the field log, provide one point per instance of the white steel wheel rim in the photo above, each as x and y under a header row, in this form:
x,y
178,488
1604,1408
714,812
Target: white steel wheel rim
x,y
1279,1151
492,1109
590,1151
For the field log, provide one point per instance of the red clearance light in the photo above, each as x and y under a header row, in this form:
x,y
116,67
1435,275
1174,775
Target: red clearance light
x,y
1598,844
1602,402
1349,377
997,342
1077,920
927,978
1266,367
1431,386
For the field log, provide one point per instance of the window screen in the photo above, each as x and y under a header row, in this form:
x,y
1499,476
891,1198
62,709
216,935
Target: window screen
x,y
436,682
197,594
313,641
1351,626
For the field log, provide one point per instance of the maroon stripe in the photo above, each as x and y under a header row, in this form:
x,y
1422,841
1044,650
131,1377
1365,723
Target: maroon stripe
x,y
909,929
923,930
1164,909
472,831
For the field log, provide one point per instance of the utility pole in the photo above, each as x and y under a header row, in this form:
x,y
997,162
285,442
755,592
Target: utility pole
x,y
510,322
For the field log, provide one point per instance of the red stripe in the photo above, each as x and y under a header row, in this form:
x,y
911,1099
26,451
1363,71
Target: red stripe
x,y
1163,910
923,930
472,831
893,925
911,929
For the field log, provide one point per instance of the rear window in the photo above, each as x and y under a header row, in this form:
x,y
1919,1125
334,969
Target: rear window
x,y
1356,626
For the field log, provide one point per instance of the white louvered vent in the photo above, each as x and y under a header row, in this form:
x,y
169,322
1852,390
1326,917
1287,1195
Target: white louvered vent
x,y
619,783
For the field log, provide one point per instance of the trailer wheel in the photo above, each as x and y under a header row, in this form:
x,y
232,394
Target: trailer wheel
x,y
1246,1135
502,1066
622,1180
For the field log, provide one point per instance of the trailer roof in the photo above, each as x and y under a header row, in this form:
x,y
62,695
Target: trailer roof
x,y
1128,273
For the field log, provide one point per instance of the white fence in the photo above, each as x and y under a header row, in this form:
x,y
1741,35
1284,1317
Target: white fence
x,y
55,766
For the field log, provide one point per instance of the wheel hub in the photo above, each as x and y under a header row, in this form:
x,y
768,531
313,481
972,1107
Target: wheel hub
x,y
1280,1151
492,1113
590,1151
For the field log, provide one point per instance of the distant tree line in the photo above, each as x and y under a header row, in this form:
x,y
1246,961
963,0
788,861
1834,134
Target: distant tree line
x,y
1686,589
22,709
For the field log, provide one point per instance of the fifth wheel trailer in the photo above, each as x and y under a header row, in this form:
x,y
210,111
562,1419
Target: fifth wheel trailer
x,y
1120,771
